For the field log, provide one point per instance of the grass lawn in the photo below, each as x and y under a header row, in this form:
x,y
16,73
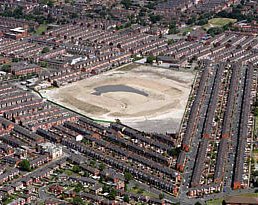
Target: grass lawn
x,y
68,172
219,22
136,190
128,67
214,202
41,28
145,193
9,199
186,30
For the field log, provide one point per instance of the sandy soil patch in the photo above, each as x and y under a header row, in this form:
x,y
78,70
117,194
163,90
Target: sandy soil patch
x,y
140,96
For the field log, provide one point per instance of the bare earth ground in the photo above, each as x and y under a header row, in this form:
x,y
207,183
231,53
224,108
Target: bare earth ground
x,y
160,111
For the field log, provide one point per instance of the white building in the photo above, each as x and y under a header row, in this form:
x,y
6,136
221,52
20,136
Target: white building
x,y
53,150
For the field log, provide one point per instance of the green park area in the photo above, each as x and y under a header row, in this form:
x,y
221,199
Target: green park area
x,y
42,28
218,22
186,30
138,190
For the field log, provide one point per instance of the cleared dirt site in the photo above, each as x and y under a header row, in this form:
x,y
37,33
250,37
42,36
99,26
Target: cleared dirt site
x,y
144,97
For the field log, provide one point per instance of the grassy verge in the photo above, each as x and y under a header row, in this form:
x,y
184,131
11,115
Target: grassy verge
x,y
249,195
215,202
103,121
68,172
127,67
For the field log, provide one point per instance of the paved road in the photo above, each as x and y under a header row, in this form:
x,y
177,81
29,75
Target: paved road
x,y
43,195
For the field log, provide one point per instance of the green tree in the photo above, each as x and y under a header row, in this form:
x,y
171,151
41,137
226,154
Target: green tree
x,y
15,60
25,165
191,20
43,64
6,67
86,174
170,41
174,152
102,166
93,163
76,169
78,201
155,18
161,196
126,198
128,176
255,173
256,103
101,179
126,187
50,3
45,50
127,3
78,188
173,28
140,191
215,31
202,22
18,12
150,59
256,111
150,5
74,15
112,195
105,188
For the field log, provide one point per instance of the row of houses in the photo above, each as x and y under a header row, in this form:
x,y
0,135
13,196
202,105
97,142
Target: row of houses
x,y
235,102
184,10
145,157
224,47
207,132
121,165
67,135
215,5
29,179
29,110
